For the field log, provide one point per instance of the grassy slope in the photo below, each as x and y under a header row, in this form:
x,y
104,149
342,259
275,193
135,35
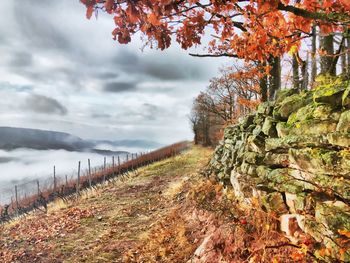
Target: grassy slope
x,y
106,223
166,212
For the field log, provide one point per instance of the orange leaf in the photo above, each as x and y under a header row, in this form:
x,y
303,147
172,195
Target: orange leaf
x,y
109,4
89,12
153,19
344,232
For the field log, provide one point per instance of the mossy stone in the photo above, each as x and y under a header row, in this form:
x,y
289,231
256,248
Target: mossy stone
x,y
339,139
295,141
344,122
289,105
269,127
273,202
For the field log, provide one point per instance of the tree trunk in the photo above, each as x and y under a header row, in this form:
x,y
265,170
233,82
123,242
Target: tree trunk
x,y
343,62
313,54
196,136
305,74
295,66
275,79
326,44
348,52
263,86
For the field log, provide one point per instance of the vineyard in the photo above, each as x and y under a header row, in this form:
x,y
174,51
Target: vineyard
x,y
37,196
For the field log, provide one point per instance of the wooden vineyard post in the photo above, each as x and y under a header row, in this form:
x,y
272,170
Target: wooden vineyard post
x,y
113,165
38,185
104,169
54,179
132,163
16,199
78,179
118,164
89,172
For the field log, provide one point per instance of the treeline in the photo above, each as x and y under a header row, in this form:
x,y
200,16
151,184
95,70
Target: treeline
x,y
241,87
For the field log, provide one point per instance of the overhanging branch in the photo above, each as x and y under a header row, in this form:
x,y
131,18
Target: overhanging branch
x,y
213,55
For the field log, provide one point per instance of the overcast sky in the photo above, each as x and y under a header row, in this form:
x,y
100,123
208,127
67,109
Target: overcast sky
x,y
59,71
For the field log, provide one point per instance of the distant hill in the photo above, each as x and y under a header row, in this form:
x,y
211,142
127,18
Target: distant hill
x,y
145,144
12,138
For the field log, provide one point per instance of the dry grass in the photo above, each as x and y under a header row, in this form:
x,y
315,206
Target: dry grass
x,y
161,213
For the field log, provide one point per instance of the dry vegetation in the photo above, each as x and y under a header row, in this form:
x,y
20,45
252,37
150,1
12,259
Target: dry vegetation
x,y
166,212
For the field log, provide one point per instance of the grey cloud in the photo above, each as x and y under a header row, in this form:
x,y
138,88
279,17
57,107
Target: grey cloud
x,y
101,116
158,66
36,29
21,59
164,72
107,75
119,86
149,111
126,59
43,104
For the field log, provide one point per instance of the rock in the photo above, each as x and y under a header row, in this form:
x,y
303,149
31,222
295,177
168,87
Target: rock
x,y
312,112
344,122
246,121
262,171
293,225
248,169
330,94
256,144
274,202
288,180
269,127
243,187
253,157
314,127
293,156
289,105
291,202
283,93
295,141
265,108
335,215
307,127
296,202
282,129
276,159
346,97
312,160
339,139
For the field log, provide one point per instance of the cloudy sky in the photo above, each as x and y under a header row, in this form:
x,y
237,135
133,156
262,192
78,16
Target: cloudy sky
x,y
59,71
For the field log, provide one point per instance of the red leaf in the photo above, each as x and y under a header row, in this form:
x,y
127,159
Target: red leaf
x,y
89,12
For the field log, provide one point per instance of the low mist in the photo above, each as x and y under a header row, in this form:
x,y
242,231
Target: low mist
x,y
23,167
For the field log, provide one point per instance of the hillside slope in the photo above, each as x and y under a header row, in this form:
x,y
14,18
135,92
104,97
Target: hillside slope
x,y
166,212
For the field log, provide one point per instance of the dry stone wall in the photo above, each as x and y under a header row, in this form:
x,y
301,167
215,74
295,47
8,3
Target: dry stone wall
x,y
293,156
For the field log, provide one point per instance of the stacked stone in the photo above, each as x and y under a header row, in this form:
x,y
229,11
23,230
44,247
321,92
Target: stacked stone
x,y
293,155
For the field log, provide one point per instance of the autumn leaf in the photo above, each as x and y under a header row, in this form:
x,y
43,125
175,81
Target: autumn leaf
x,y
109,4
344,232
153,19
293,50
89,12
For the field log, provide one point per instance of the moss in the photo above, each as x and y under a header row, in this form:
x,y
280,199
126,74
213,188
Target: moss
x,y
330,90
345,97
326,156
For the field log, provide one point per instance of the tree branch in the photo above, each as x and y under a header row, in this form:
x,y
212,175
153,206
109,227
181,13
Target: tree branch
x,y
213,55
331,17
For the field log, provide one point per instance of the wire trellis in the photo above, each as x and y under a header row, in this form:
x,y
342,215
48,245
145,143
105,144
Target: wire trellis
x,y
35,194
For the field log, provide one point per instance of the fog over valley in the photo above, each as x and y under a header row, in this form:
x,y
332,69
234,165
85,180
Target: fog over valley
x,y
30,154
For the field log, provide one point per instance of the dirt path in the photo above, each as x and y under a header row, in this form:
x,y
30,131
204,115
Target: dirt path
x,y
108,223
